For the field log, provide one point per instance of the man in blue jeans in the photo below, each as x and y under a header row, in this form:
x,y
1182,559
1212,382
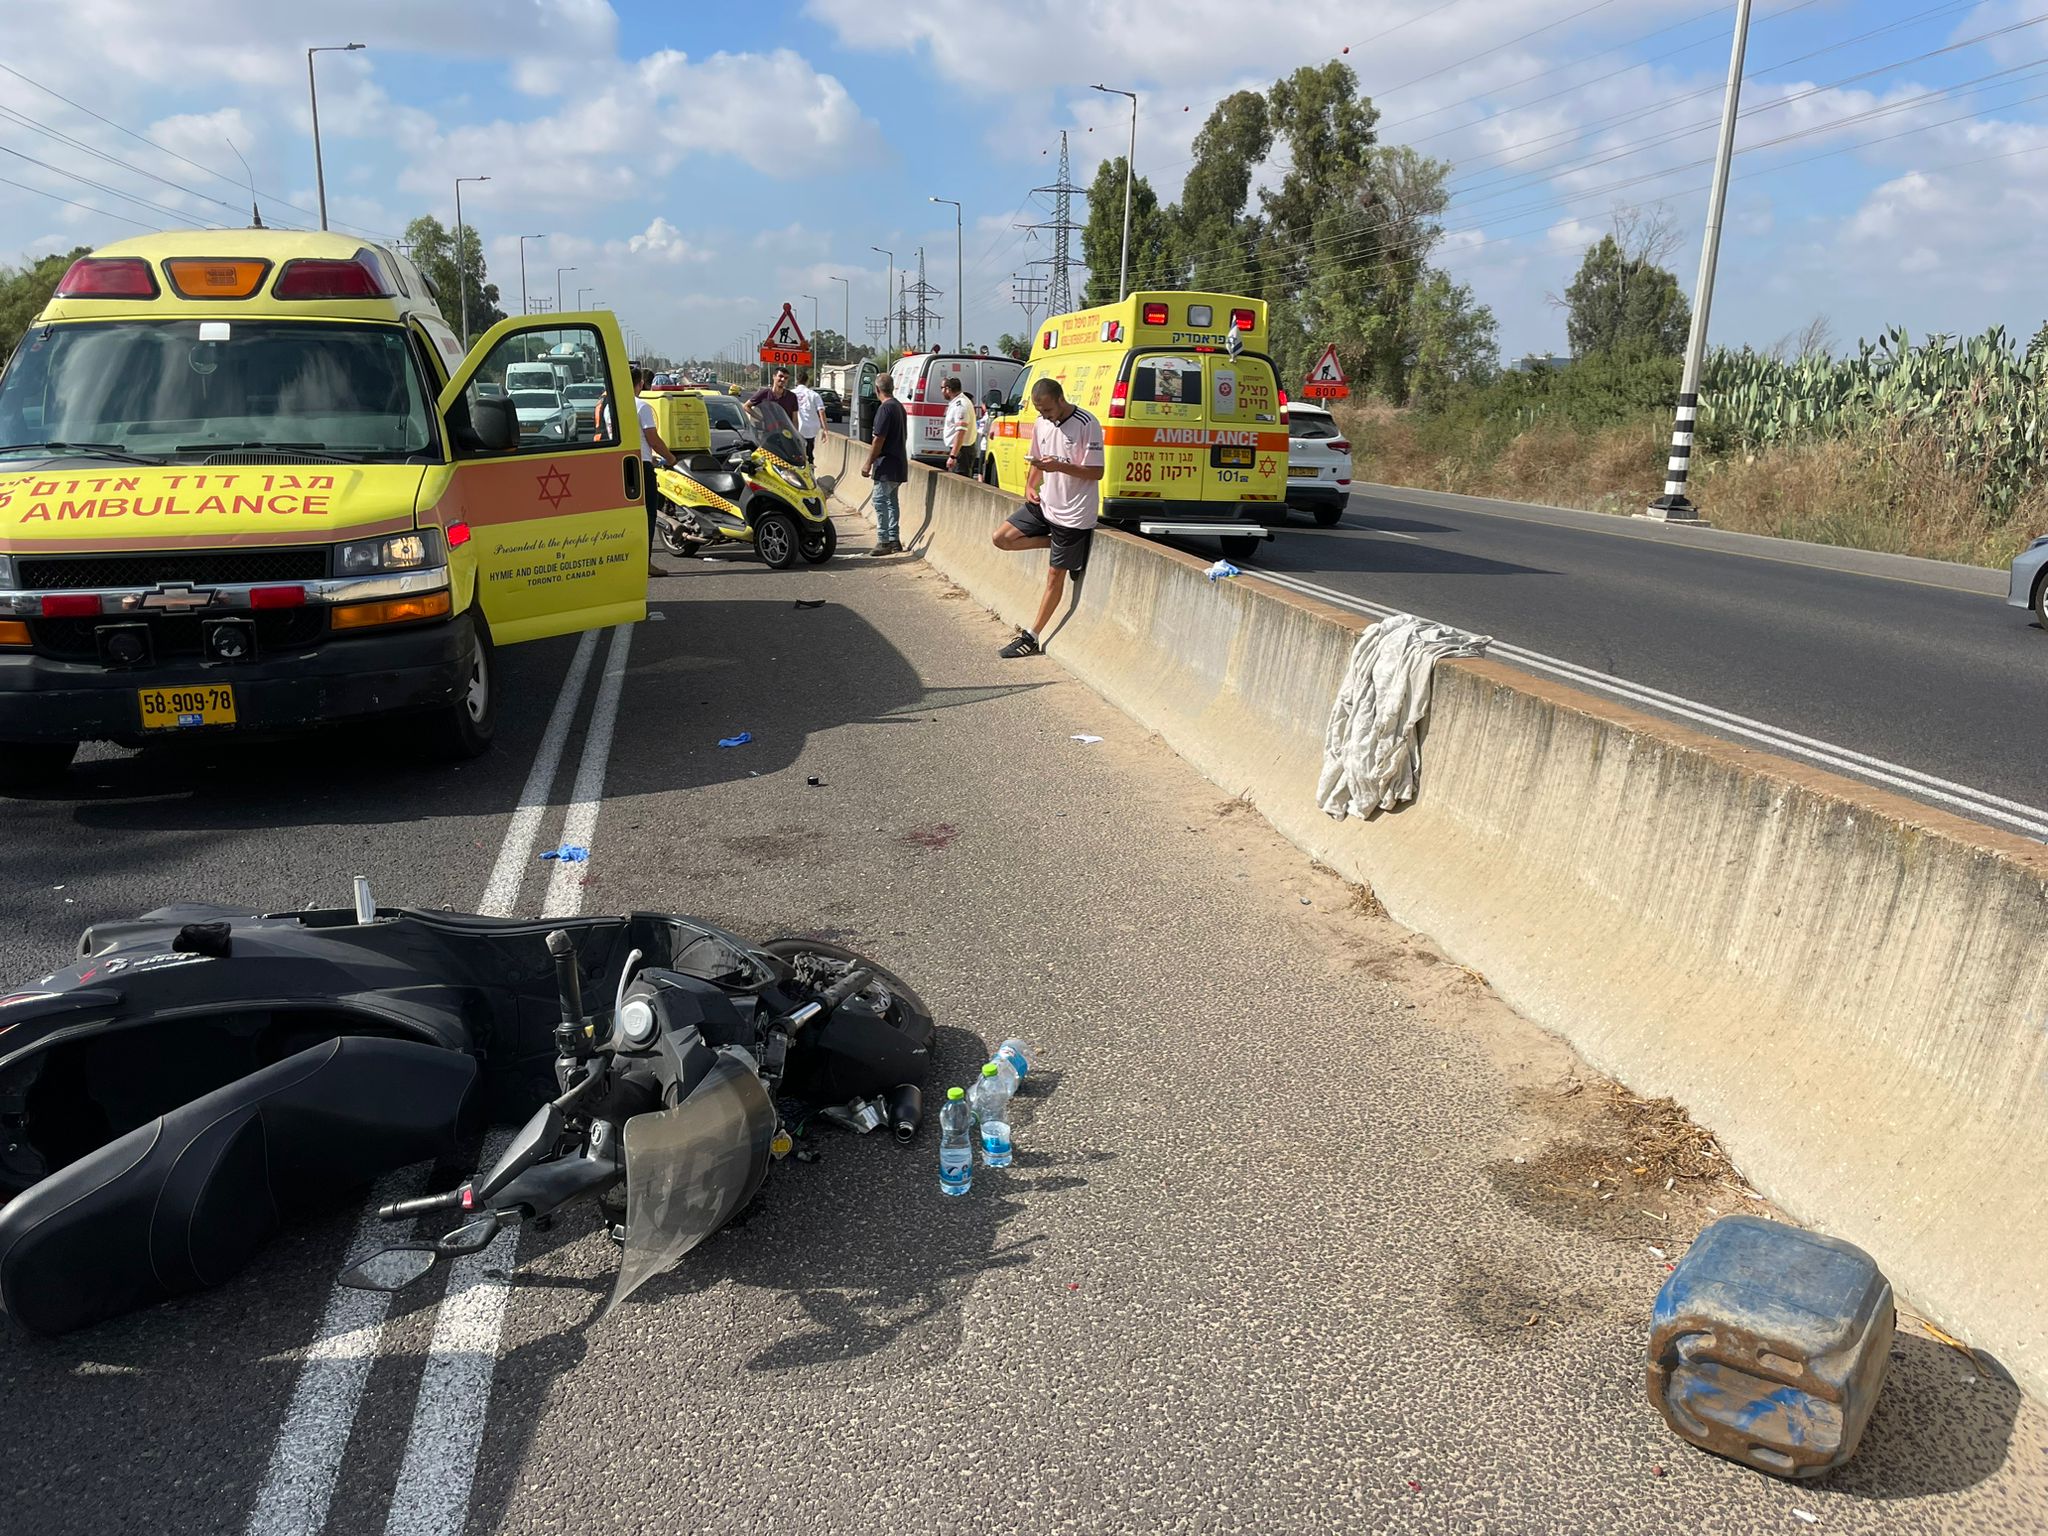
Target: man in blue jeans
x,y
888,464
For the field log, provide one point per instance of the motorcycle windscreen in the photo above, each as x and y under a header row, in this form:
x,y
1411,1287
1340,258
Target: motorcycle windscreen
x,y
689,1169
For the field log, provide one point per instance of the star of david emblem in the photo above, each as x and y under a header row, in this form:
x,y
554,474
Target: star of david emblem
x,y
1267,465
554,486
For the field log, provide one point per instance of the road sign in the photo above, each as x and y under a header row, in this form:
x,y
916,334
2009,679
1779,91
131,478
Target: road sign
x,y
785,346
1326,379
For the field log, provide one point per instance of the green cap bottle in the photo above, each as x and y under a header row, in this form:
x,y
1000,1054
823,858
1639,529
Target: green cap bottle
x,y
956,1093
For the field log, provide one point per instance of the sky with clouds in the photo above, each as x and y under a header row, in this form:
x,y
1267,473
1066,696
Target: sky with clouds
x,y
698,164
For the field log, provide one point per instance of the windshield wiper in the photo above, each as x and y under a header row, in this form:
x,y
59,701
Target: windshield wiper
x,y
98,450
259,447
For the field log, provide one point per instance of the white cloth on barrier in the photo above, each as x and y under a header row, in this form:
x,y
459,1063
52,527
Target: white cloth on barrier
x,y
1371,758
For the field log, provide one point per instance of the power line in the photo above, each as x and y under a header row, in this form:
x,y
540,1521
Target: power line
x,y
97,186
72,203
35,126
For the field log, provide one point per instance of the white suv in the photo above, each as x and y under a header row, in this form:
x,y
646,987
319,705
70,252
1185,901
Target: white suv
x,y
1318,463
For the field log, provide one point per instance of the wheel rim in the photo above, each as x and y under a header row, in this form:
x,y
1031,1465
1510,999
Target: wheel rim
x,y
774,540
477,698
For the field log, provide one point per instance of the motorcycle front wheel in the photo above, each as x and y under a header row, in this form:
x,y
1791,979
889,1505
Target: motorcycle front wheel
x,y
818,542
775,537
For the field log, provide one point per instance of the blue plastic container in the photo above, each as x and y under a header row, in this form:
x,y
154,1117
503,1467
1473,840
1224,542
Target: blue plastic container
x,y
1770,1344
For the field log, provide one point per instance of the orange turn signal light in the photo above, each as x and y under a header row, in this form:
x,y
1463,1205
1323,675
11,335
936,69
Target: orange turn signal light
x,y
197,278
13,632
397,610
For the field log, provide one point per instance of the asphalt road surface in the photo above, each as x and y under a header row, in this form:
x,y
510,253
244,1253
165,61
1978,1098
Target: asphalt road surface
x,y
1295,1240
1885,668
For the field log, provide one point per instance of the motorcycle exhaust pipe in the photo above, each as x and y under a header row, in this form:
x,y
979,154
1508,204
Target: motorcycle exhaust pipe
x,y
906,1111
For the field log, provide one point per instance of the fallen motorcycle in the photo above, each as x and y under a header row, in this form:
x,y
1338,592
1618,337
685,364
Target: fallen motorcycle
x,y
205,1073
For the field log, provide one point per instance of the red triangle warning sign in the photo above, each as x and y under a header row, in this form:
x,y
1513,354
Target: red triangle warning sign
x,y
786,332
1327,369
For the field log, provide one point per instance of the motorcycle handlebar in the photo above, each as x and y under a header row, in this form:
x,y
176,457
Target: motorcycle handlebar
x,y
398,1210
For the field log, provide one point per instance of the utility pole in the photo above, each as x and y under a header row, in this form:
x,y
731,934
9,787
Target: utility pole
x,y
558,286
1672,506
1028,294
1123,271
888,293
959,281
924,314
845,319
461,266
313,96
1059,294
524,307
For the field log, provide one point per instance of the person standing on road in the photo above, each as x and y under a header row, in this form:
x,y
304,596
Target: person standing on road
x,y
962,432
1062,496
780,393
810,416
888,465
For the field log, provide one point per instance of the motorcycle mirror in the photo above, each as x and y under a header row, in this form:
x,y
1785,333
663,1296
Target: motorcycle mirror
x,y
392,1269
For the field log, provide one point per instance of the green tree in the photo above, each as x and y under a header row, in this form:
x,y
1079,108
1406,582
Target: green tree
x,y
1152,263
1013,346
23,293
1447,339
432,247
1218,239
1624,303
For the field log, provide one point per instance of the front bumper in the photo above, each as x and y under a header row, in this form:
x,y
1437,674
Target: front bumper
x,y
408,669
2026,574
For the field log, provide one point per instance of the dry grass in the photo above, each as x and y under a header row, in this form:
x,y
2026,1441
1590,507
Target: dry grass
x,y
1895,496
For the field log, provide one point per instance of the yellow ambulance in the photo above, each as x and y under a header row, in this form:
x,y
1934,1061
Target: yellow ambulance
x,y
1194,438
250,481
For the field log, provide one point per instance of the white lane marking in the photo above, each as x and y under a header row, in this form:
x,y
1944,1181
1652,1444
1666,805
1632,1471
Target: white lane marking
x,y
1982,804
441,1452
439,1470
305,1461
1388,533
565,889
515,854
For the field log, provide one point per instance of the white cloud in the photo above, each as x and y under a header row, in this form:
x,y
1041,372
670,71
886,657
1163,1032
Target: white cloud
x,y
660,241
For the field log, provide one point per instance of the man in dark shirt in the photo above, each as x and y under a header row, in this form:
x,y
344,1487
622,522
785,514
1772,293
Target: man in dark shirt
x,y
780,392
888,464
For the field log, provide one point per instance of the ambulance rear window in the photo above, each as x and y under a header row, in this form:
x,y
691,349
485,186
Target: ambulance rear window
x,y
1167,380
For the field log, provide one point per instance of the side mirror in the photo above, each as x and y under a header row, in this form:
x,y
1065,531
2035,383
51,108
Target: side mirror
x,y
392,1269
481,425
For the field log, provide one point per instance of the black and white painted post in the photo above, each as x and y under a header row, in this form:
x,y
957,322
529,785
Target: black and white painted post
x,y
1672,506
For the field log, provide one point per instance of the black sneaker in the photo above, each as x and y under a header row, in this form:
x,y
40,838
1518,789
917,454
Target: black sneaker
x,y
1026,644
887,547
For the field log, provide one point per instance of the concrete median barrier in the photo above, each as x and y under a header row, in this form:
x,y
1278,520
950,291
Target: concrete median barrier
x,y
1849,988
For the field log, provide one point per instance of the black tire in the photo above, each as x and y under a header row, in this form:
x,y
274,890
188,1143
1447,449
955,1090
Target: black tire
x,y
1237,549
463,730
988,472
29,766
2041,601
1328,517
674,542
817,542
775,538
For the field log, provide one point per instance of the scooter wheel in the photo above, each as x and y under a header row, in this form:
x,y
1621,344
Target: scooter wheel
x,y
818,542
676,544
775,537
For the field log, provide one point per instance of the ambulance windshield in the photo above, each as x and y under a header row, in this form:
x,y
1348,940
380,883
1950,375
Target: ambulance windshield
x,y
183,390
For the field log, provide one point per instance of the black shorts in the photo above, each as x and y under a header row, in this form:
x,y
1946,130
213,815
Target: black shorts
x,y
1069,545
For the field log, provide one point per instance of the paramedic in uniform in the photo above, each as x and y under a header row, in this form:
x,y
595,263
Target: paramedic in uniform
x,y
1062,494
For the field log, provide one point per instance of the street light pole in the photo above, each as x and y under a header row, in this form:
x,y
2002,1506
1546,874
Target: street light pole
x,y
814,315
889,293
845,319
313,95
462,267
1672,506
1123,271
959,281
558,286
579,296
524,307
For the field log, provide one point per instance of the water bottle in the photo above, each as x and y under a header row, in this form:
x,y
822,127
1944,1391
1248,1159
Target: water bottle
x,y
992,1110
1013,1056
956,1144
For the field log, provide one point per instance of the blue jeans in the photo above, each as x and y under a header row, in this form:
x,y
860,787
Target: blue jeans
x,y
885,509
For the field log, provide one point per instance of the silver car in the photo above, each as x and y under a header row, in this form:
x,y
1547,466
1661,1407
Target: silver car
x,y
544,417
584,398
2030,579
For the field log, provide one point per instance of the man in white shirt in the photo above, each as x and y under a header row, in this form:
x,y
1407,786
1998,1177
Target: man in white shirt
x,y
810,416
1062,496
961,430
652,449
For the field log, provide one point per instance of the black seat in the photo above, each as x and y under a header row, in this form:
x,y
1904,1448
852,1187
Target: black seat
x,y
184,1201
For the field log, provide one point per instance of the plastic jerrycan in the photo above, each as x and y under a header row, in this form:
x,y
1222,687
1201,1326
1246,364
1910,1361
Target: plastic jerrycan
x,y
1769,1345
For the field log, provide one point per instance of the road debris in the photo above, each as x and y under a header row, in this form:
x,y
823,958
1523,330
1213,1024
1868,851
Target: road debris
x,y
815,782
1223,568
1084,738
1807,1515
568,853
736,741
808,602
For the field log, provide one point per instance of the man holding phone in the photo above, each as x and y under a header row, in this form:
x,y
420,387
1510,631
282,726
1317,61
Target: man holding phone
x,y
1062,497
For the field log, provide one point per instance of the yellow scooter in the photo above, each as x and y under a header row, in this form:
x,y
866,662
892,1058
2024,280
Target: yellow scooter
x,y
761,492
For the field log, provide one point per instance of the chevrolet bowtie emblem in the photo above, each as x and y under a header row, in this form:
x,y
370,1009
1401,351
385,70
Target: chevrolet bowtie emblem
x,y
176,597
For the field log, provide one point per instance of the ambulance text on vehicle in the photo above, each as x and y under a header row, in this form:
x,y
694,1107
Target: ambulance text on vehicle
x,y
1188,401
249,481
